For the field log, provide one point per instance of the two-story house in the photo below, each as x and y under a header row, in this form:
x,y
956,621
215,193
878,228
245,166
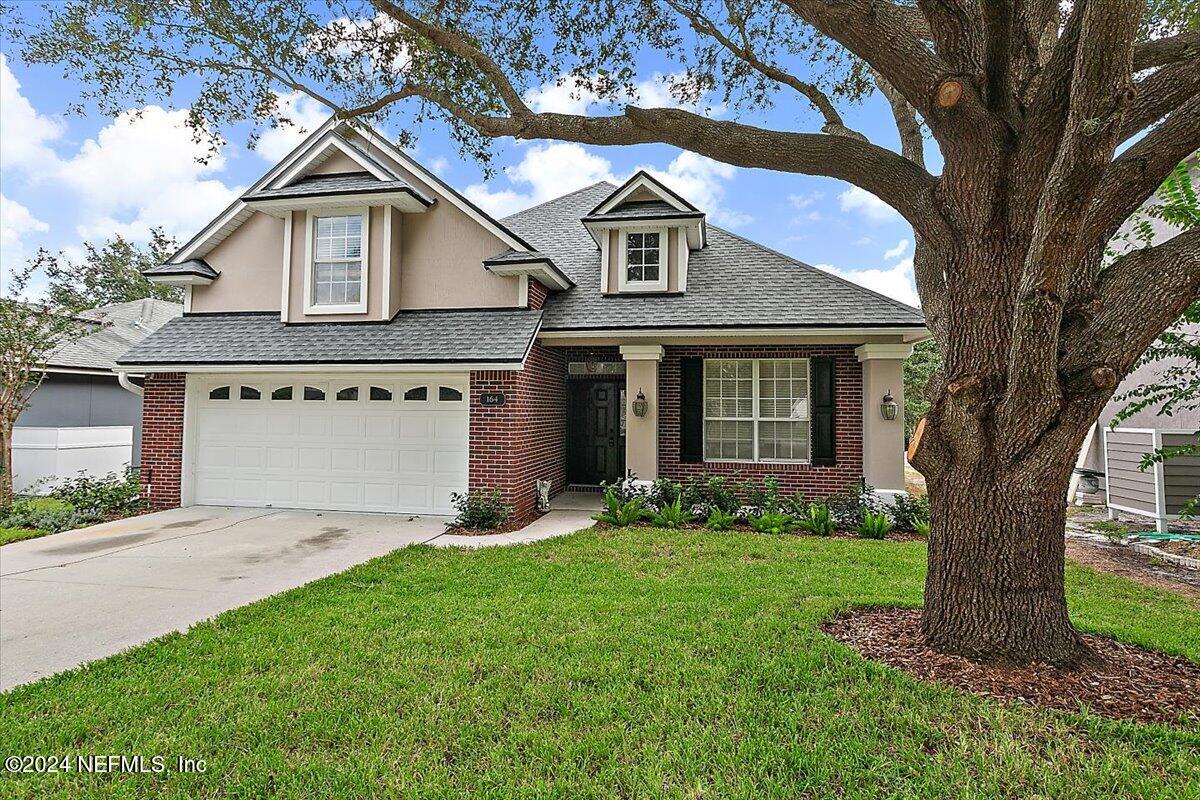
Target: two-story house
x,y
359,336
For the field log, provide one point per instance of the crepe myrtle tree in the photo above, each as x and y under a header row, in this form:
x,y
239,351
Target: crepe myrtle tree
x,y
1053,121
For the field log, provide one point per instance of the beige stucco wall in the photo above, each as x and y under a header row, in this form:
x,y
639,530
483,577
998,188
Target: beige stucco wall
x,y
641,433
337,163
250,261
299,265
883,440
615,242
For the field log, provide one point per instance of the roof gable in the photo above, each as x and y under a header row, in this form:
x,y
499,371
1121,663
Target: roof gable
x,y
642,187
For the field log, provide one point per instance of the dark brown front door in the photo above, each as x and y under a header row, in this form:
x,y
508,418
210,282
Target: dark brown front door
x,y
595,443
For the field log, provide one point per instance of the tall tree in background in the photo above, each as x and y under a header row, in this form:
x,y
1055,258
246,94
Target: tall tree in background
x,y
109,273
1027,101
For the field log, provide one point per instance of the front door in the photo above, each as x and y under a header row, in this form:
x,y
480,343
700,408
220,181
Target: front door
x,y
596,441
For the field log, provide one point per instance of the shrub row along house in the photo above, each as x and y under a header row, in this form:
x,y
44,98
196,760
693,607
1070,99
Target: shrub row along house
x,y
359,336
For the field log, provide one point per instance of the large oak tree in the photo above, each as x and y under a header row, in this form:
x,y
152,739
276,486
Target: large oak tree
x,y
1028,102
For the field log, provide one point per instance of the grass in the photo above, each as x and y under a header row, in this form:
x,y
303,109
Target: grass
x,y
627,663
9,535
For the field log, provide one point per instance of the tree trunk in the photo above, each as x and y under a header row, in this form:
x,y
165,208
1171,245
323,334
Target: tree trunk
x,y
6,475
994,589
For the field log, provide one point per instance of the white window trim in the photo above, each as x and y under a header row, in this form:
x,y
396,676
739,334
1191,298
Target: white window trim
x,y
754,410
625,285
310,267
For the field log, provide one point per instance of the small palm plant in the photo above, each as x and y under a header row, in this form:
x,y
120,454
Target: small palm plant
x,y
875,526
671,515
774,522
719,520
817,519
922,528
619,514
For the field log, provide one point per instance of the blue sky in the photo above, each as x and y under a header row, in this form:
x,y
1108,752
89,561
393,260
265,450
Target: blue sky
x,y
69,179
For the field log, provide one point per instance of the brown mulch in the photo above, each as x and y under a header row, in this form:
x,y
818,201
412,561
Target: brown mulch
x,y
514,524
1129,682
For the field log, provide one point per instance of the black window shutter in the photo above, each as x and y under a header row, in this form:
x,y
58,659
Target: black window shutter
x,y
691,410
824,401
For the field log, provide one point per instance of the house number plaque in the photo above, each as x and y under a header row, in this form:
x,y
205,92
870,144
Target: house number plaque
x,y
492,399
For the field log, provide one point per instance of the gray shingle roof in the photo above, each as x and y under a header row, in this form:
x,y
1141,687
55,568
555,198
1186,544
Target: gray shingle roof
x,y
732,282
476,335
645,209
118,328
195,266
348,183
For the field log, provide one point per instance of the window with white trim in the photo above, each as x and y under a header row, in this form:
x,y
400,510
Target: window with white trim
x,y
338,261
756,409
643,260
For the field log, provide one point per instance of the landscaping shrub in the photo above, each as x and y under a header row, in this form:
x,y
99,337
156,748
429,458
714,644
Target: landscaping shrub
x,y
618,511
874,526
107,496
705,493
818,519
850,509
43,516
671,515
480,509
908,510
774,522
626,489
662,493
763,497
719,520
921,528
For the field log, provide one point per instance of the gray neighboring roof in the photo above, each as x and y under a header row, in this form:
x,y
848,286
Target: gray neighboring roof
x,y
195,266
732,282
644,209
119,327
412,337
348,183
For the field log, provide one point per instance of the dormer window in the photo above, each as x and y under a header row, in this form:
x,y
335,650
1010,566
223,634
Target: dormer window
x,y
337,263
643,261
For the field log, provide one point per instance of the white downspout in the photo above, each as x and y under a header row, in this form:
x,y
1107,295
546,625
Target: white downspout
x,y
127,385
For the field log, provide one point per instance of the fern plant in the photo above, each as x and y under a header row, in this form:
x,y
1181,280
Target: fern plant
x,y
671,515
719,520
922,528
620,513
773,522
875,526
818,519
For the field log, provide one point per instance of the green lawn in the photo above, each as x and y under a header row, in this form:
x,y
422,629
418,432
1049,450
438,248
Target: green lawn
x,y
635,663
8,535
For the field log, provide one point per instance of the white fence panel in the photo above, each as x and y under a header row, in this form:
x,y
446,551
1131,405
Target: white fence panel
x,y
44,456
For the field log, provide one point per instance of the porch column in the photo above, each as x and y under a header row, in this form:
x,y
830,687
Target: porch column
x,y
883,440
641,433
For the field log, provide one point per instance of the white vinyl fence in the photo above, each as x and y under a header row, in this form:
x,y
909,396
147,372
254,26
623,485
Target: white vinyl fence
x,y
44,456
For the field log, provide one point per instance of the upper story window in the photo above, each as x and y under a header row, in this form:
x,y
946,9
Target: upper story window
x,y
337,278
643,260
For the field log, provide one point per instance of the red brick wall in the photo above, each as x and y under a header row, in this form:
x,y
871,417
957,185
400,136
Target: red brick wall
x,y
811,481
525,439
537,294
162,438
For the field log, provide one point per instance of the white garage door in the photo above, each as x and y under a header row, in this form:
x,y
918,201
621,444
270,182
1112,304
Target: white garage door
x,y
347,444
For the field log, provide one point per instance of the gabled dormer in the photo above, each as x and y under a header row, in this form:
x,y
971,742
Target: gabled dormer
x,y
645,233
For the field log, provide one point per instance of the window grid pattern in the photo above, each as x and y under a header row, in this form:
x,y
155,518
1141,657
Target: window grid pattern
x,y
642,257
337,260
756,410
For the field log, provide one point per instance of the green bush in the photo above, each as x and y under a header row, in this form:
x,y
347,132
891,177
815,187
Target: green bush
x,y
850,509
818,519
706,493
662,493
765,496
671,516
480,509
50,516
874,526
719,520
921,528
908,510
774,522
107,496
620,512
626,489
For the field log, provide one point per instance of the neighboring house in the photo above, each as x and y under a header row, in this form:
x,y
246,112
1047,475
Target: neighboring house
x,y
81,418
359,336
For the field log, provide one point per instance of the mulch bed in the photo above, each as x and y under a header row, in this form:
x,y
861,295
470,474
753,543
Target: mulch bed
x,y
1129,683
508,527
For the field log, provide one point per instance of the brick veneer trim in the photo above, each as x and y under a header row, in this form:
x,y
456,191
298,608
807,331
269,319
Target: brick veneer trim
x,y
162,438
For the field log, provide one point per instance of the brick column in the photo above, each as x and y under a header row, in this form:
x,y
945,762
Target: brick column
x,y
162,438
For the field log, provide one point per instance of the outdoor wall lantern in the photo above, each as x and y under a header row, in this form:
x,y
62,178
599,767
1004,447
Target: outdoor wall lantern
x,y
640,405
889,406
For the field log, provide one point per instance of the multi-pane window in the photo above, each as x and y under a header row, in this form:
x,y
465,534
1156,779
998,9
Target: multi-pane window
x,y
642,256
337,260
756,410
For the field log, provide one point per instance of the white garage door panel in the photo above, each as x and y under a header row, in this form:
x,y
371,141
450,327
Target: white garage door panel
x,y
392,454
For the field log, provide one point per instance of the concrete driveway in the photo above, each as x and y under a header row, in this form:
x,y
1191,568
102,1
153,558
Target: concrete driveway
x,y
74,597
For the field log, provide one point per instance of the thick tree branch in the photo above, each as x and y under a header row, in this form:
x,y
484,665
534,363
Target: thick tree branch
x,y
1159,94
912,141
1156,52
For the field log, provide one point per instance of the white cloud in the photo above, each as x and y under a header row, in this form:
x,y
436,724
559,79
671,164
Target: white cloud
x,y
24,133
802,202
870,206
15,222
305,114
141,171
552,170
897,251
568,95
895,281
